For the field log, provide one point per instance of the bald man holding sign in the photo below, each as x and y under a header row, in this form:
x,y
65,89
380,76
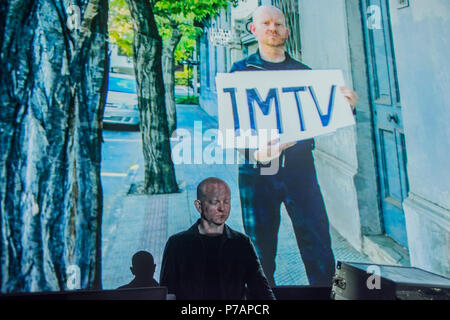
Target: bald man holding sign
x,y
295,183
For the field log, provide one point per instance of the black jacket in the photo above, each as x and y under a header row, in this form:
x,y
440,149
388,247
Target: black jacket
x,y
183,267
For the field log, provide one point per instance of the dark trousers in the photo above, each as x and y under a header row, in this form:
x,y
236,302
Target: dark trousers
x,y
296,186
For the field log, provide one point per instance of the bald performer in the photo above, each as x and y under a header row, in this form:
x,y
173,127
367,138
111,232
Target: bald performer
x,y
295,183
211,261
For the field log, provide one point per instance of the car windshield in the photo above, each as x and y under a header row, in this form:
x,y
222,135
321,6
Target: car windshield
x,y
122,85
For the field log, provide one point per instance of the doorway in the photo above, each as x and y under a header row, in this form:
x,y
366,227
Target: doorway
x,y
387,118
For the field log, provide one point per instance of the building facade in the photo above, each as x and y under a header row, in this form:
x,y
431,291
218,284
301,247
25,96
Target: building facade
x,y
385,181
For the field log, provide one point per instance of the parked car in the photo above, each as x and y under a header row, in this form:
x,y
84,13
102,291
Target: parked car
x,y
121,103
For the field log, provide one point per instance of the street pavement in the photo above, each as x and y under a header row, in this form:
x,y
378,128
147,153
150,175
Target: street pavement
x,y
144,222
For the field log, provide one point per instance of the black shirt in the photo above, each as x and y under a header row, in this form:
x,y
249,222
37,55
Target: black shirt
x,y
211,245
283,65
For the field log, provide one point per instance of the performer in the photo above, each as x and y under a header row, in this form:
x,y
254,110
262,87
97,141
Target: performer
x,y
211,261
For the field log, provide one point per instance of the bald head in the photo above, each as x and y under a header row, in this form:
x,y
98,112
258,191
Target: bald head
x,y
206,185
266,9
269,28
213,204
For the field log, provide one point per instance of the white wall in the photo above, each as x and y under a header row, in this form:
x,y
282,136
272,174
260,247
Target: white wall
x,y
323,26
421,34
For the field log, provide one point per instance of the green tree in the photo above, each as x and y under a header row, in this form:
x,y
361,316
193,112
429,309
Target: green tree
x,y
176,25
178,44
176,21
147,51
156,93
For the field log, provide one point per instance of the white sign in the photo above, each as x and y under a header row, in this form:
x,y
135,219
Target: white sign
x,y
254,107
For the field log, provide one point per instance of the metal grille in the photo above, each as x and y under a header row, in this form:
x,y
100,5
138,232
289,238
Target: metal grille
x,y
291,12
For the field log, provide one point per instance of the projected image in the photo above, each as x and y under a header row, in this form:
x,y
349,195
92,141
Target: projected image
x,y
221,149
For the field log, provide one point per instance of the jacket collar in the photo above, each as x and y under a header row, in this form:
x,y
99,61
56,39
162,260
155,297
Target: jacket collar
x,y
227,232
256,61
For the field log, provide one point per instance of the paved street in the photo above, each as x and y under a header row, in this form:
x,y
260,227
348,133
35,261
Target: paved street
x,y
140,222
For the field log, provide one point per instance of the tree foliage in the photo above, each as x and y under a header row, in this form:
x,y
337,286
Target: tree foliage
x,y
167,13
183,14
120,26
176,22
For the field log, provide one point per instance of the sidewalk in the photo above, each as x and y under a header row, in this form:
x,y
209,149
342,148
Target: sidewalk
x,y
139,222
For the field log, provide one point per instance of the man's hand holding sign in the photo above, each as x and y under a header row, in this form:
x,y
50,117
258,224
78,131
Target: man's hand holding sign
x,y
351,97
274,149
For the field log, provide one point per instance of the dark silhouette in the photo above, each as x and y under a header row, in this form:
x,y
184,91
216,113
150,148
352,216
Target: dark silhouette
x,y
143,268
